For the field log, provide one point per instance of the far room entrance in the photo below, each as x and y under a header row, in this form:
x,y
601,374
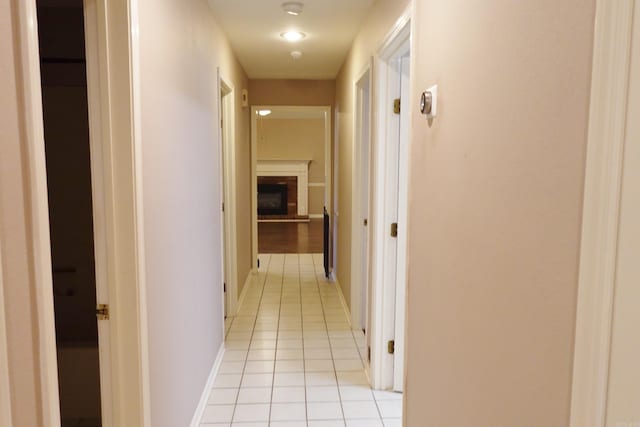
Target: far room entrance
x,y
291,150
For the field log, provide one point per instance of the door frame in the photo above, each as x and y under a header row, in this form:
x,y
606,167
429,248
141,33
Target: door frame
x,y
602,193
5,386
362,153
226,118
383,310
326,111
114,110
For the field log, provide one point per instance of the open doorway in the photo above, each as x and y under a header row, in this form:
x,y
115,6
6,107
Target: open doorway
x,y
75,214
291,178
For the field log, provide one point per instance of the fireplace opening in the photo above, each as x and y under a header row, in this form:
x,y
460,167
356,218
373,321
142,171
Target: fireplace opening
x,y
272,199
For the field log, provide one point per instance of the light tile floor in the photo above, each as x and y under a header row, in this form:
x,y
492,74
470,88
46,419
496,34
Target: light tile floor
x,y
291,359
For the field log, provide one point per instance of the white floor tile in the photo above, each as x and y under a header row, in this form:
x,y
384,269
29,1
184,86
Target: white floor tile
x,y
288,412
293,352
364,423
288,379
259,367
359,410
223,396
326,423
254,395
288,395
227,381
324,411
218,413
251,413
390,408
257,380
322,394
289,366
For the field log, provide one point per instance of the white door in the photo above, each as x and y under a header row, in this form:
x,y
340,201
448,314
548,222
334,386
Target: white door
x,y
623,394
401,256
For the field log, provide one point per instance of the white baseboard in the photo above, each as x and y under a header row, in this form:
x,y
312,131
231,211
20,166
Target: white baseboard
x,y
202,404
343,301
316,216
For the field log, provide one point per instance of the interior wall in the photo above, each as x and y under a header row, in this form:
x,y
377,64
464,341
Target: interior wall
x,y
181,47
495,210
291,92
296,139
15,234
377,25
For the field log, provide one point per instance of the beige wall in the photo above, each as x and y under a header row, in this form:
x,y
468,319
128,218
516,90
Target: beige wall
x,y
495,211
232,68
379,22
181,47
291,92
15,234
296,139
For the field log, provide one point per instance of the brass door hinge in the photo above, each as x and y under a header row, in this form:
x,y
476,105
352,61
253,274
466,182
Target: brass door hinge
x,y
394,229
365,222
102,311
391,347
368,354
396,106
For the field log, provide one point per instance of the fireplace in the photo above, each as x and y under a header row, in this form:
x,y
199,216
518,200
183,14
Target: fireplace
x,y
272,199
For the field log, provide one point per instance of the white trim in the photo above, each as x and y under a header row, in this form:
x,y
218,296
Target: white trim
x,y
98,198
326,110
228,180
607,119
137,208
358,232
343,301
384,267
316,216
39,220
316,184
247,282
118,71
5,383
204,397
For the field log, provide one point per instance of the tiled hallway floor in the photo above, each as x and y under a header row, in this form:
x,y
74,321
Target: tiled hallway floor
x,y
292,360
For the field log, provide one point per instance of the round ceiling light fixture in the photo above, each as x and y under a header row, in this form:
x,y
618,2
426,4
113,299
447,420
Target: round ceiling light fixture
x,y
296,54
292,7
293,36
264,113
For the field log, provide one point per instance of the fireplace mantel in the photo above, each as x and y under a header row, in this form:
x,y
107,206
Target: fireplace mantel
x,y
297,168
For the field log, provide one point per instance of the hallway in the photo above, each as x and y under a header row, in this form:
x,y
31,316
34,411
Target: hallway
x,y
291,358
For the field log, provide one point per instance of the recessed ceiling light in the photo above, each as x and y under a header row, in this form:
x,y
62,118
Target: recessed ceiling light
x,y
264,112
292,8
293,36
296,54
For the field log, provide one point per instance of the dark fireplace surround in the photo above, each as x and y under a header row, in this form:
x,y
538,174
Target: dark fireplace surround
x,y
277,197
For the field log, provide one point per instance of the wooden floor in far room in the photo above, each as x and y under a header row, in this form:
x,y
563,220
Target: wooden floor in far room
x,y
290,237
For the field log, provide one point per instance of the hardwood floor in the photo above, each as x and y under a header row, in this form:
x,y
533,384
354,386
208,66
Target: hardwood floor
x,y
290,237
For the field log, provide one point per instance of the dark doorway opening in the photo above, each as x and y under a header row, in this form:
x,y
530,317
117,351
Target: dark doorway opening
x,y
68,162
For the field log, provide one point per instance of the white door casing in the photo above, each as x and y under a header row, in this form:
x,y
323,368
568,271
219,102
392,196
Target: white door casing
x,y
113,85
228,190
385,199
360,200
601,212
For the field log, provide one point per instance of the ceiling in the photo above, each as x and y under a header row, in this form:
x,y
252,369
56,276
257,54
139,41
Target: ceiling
x,y
253,28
